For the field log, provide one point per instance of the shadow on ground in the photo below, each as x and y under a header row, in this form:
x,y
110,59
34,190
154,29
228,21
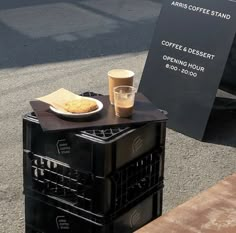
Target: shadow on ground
x,y
38,32
221,128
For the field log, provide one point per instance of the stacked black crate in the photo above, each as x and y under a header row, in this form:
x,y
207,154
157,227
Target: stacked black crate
x,y
101,180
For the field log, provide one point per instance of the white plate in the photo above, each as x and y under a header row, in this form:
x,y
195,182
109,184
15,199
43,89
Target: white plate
x,y
79,115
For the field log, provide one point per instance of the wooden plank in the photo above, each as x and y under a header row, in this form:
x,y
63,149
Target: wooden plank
x,y
213,210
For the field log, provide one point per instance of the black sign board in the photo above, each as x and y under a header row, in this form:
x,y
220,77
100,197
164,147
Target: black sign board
x,y
186,60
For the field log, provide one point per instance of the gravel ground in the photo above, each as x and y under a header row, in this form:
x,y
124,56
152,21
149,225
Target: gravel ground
x,y
38,57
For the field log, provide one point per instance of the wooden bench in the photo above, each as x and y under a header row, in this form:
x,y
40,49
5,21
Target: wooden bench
x,y
213,210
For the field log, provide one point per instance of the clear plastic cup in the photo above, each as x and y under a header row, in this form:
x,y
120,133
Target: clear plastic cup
x,y
124,97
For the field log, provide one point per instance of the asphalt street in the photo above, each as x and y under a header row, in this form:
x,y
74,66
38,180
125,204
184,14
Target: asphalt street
x,y
49,44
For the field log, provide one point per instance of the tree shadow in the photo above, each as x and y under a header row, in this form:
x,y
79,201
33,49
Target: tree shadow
x,y
221,128
41,32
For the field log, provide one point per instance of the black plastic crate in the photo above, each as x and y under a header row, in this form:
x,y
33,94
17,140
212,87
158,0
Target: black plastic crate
x,y
44,217
99,151
87,193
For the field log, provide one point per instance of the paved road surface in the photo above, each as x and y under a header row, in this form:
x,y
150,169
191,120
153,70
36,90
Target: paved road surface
x,y
48,44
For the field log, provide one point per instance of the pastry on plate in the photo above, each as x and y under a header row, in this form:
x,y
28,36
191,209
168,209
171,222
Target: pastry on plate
x,y
80,106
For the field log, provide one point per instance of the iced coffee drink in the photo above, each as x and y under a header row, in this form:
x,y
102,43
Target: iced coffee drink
x,y
118,77
124,97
